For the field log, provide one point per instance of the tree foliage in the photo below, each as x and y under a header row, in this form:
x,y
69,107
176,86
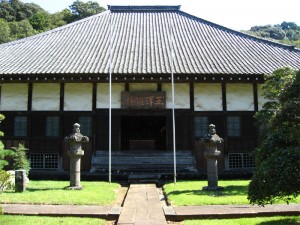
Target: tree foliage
x,y
18,159
38,21
21,29
15,10
4,31
286,32
3,153
19,20
82,10
278,157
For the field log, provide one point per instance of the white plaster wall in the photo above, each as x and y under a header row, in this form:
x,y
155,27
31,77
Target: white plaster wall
x,y
45,97
182,95
142,87
103,95
208,97
239,97
78,97
260,98
14,97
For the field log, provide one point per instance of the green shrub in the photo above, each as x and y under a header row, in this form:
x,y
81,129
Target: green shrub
x,y
18,160
3,153
4,180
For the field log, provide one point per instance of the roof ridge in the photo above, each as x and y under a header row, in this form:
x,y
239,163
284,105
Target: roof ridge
x,y
143,8
286,46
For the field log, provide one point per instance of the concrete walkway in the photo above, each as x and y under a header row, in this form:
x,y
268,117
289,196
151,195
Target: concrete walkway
x,y
142,205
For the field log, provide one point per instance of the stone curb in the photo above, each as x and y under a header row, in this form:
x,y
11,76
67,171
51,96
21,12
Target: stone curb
x,y
103,212
229,211
171,213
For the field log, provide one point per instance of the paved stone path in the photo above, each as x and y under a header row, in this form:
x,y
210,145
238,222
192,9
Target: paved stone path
x,y
142,206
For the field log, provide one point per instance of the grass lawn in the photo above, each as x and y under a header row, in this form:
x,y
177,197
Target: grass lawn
x,y
190,193
53,192
45,220
276,220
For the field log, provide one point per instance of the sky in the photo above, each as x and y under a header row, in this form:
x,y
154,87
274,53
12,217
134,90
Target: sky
x,y
234,14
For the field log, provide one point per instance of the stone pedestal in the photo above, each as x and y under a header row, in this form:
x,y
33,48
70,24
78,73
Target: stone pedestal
x,y
212,173
75,165
20,180
75,153
212,154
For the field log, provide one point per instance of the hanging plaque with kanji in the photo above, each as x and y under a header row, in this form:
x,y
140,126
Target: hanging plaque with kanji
x,y
143,100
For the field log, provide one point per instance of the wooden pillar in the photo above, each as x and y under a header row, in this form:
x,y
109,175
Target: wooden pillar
x,y
94,118
29,114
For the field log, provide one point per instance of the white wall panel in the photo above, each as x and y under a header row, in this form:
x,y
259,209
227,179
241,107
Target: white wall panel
x,y
103,95
78,97
45,97
182,95
14,97
239,97
142,87
208,97
260,98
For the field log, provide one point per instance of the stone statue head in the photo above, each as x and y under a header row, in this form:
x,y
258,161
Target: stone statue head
x,y
76,127
212,129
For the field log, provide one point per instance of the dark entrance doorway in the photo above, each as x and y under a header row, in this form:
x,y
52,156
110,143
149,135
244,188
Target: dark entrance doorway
x,y
143,133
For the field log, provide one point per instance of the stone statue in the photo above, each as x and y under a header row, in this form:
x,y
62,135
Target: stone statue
x,y
75,139
211,152
75,153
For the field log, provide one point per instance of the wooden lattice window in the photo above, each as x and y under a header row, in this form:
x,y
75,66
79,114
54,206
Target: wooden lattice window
x,y
44,160
233,126
201,126
20,126
240,161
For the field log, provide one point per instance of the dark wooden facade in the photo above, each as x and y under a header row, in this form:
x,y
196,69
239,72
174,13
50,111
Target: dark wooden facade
x,y
140,119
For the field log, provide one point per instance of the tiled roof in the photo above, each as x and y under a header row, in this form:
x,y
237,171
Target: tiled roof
x,y
141,39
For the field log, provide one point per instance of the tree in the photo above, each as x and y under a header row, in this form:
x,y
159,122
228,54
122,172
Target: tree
x,y
82,10
7,12
288,25
18,159
19,20
27,10
56,20
38,21
4,31
277,175
293,35
68,16
3,153
21,29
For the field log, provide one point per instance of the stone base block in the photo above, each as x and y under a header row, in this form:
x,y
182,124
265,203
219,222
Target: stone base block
x,y
212,188
74,188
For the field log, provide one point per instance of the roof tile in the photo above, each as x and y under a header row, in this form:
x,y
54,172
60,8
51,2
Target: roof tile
x,y
142,40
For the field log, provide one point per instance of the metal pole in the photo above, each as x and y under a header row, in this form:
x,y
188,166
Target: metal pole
x,y
110,80
173,100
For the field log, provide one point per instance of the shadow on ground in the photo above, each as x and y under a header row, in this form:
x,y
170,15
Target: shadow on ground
x,y
228,191
287,221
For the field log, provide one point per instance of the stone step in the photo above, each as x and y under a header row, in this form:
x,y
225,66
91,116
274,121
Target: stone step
x,y
143,178
144,161
142,153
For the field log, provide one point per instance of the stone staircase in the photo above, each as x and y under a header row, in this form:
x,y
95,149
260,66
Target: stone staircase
x,y
139,162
